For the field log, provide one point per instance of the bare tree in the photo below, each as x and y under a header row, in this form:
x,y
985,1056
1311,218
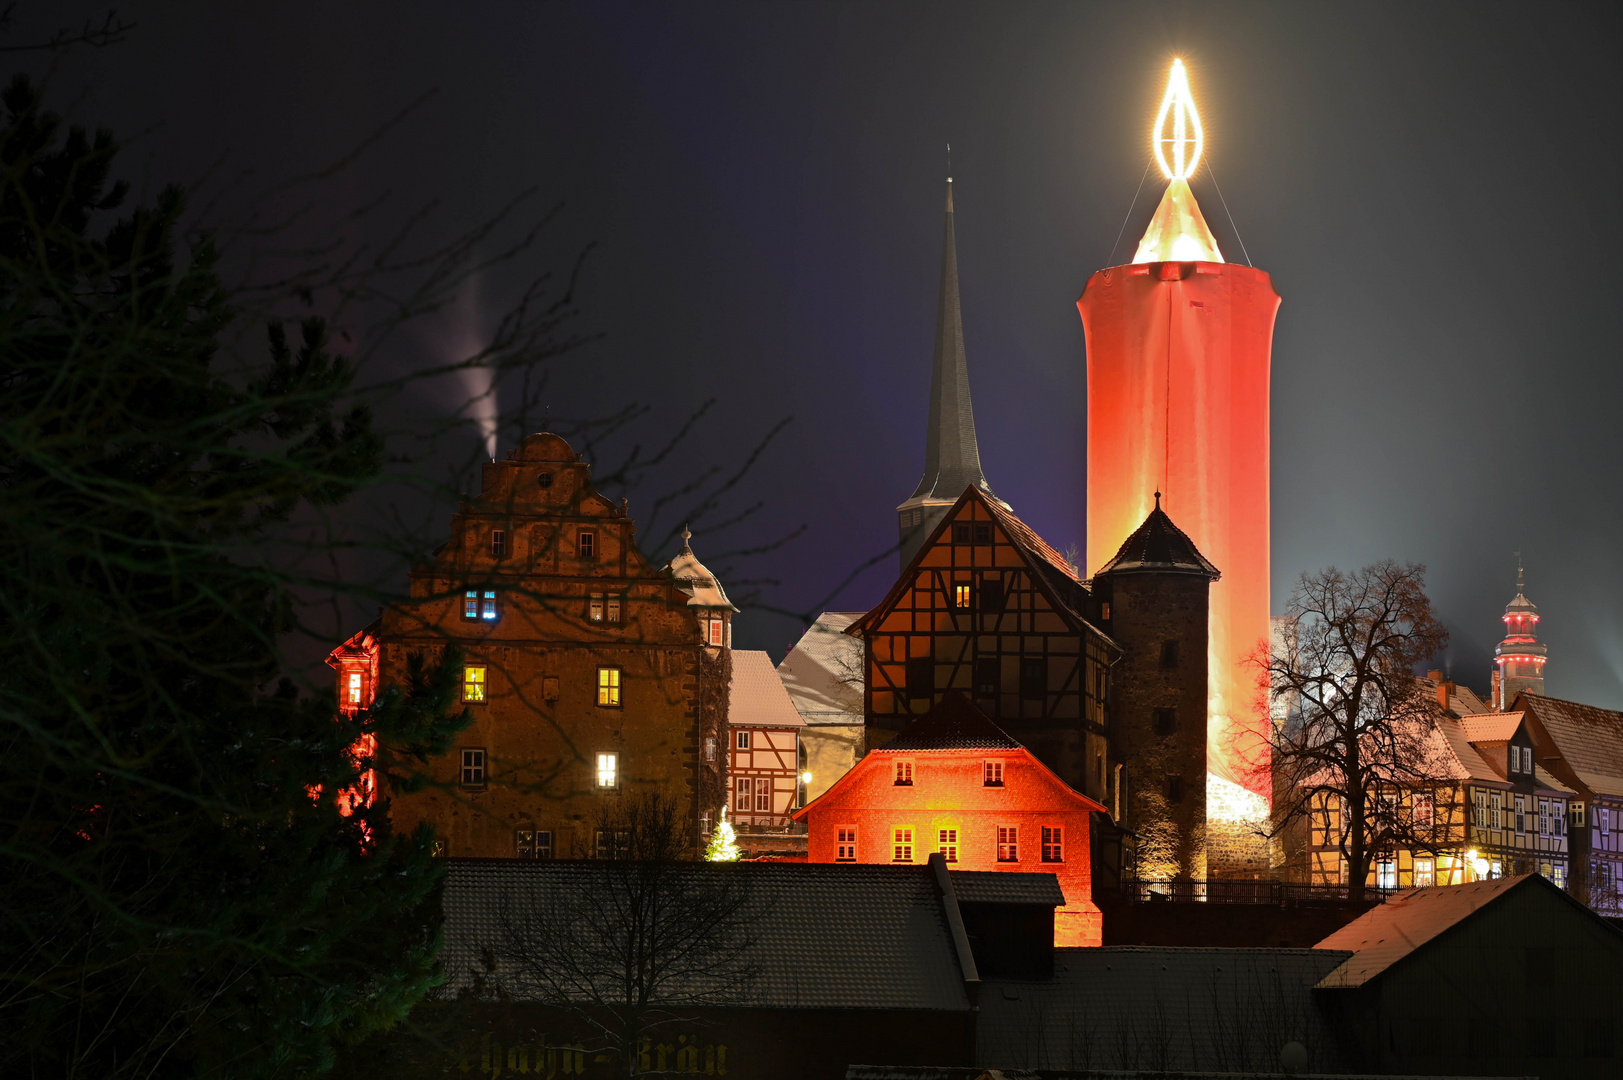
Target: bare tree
x,y
1356,724
633,940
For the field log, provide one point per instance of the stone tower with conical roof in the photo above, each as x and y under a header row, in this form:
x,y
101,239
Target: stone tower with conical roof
x,y
1518,660
952,456
1155,599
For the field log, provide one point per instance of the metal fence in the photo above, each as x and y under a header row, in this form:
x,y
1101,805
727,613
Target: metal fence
x,y
1239,892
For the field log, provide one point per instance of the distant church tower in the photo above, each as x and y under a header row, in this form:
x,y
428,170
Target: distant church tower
x,y
952,457
1518,661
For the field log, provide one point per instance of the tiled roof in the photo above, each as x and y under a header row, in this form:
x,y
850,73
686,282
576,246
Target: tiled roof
x,y
1450,755
1550,783
953,723
696,580
1388,933
1463,700
823,672
1160,546
1228,1009
992,887
1589,739
1491,727
815,935
756,697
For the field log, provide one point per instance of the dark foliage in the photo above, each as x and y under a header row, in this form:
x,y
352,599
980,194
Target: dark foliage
x,y
179,893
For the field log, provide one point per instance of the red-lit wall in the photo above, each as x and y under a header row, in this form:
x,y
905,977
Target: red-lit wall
x,y
948,792
1178,373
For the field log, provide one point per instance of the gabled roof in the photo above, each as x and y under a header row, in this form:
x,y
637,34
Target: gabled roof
x,y
1001,887
823,671
1450,755
953,723
817,935
1054,575
756,697
1491,727
1159,546
1590,739
1387,934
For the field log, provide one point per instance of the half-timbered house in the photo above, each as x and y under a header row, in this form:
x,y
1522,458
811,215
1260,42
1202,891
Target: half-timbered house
x,y
764,759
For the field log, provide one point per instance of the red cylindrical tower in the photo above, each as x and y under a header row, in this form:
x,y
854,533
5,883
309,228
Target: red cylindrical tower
x,y
1178,350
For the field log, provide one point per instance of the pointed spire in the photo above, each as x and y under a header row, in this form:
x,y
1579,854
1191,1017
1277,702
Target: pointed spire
x,y
952,457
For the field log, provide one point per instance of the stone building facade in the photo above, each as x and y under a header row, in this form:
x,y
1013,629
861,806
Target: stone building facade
x,y
592,675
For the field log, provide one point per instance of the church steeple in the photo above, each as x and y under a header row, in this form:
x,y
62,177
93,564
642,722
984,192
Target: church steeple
x,y
952,457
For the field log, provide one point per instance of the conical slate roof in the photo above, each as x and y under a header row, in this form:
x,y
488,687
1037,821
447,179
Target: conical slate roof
x,y
952,457
1158,546
953,723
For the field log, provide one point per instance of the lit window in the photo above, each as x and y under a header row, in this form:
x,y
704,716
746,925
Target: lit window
x,y
473,683
845,849
498,544
608,687
473,767
992,773
717,632
1008,843
488,610
531,844
904,774
1425,874
1386,873
962,596
1558,874
470,604
743,740
612,614
949,844
608,770
355,688
1053,844
586,544
746,790
594,609
1577,809
1423,811
439,849
902,846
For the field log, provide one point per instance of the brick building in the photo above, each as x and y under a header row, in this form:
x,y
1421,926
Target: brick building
x,y
953,782
591,673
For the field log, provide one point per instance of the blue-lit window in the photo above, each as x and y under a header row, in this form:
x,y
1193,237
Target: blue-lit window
x,y
479,604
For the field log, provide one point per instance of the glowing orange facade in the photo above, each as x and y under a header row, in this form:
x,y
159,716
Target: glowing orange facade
x,y
1178,374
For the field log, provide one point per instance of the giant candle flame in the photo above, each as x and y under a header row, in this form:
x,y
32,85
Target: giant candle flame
x,y
1178,232
1178,106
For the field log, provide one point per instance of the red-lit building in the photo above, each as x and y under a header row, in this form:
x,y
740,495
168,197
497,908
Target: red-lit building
x,y
953,781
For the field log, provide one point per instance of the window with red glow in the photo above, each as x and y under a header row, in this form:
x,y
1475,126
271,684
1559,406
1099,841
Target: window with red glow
x,y
718,632
904,774
949,844
992,773
845,849
1422,811
902,846
1053,844
746,789
1008,843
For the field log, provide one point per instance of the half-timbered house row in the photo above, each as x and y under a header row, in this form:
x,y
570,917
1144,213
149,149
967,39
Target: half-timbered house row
x,y
1485,809
986,607
1582,746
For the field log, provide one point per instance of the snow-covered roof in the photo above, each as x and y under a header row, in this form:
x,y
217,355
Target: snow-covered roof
x,y
823,671
756,697
696,580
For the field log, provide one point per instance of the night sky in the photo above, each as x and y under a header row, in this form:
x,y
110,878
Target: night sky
x,y
1434,189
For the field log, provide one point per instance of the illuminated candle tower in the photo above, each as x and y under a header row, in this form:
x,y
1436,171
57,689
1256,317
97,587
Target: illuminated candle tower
x,y
1178,346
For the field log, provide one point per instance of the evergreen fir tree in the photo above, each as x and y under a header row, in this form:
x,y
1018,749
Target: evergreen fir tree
x,y
179,893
